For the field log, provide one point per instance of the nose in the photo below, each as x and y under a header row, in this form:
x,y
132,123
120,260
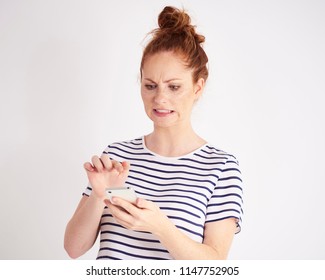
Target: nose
x,y
160,96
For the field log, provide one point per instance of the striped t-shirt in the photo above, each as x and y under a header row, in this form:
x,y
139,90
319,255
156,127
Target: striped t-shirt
x,y
192,190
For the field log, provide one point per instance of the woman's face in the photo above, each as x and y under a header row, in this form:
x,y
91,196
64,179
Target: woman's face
x,y
167,90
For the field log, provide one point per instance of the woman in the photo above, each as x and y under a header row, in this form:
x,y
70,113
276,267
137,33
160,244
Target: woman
x,y
189,192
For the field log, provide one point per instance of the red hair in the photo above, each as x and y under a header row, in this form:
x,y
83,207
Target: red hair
x,y
176,34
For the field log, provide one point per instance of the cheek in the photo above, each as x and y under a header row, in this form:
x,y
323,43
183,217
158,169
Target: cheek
x,y
187,104
143,96
146,100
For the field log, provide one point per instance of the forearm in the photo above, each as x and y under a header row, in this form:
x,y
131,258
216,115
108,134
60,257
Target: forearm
x,y
82,229
181,247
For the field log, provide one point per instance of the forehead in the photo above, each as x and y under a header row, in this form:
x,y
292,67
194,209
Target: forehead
x,y
165,64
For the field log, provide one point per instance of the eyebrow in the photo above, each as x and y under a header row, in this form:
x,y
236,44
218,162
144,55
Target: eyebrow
x,y
167,81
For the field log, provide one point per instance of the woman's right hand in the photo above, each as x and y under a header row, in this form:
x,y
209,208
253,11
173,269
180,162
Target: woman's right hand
x,y
105,173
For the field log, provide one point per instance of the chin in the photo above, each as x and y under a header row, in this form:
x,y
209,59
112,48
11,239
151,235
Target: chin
x,y
162,123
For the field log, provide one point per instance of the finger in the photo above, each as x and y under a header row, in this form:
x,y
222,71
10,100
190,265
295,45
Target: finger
x,y
128,206
118,166
145,204
120,214
88,167
97,163
107,163
126,223
126,166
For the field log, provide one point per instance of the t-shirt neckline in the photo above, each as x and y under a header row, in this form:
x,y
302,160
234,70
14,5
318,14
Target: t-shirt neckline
x,y
171,158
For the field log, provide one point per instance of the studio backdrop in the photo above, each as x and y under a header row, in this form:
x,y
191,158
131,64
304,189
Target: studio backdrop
x,y
69,86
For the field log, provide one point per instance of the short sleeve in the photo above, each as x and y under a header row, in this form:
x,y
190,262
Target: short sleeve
x,y
227,198
88,190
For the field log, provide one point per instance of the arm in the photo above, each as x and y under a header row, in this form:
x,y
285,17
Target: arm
x,y
146,216
218,237
82,230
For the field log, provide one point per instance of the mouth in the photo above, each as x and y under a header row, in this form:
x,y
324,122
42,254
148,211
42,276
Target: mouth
x,y
163,112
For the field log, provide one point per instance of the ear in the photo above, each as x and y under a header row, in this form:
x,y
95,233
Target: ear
x,y
199,87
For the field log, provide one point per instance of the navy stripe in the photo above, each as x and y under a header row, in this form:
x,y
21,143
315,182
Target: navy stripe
x,y
175,196
133,246
229,187
131,237
137,142
179,202
224,203
204,163
88,188
172,184
210,157
178,172
233,161
214,153
108,258
231,169
162,163
190,231
107,215
222,211
132,255
216,150
128,152
111,224
230,178
179,210
129,147
231,202
173,178
223,218
166,190
226,195
186,221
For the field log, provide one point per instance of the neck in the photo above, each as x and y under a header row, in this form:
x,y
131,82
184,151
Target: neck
x,y
173,142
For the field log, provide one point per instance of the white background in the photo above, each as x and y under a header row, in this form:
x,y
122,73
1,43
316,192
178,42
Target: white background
x,y
69,85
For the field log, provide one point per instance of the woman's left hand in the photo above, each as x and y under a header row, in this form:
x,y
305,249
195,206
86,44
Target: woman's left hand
x,y
143,216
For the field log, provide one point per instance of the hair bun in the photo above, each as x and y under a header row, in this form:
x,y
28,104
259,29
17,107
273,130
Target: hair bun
x,y
173,19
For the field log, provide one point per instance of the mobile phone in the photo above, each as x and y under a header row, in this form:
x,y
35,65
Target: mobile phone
x,y
126,193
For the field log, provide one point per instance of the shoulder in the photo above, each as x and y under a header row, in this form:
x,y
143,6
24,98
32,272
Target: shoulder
x,y
127,150
134,144
230,171
211,151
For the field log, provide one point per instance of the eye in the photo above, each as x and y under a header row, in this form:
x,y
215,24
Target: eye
x,y
174,87
150,86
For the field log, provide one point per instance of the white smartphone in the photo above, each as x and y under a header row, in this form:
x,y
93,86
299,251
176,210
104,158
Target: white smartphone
x,y
126,193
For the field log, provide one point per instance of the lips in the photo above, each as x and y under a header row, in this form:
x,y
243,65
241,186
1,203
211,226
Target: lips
x,y
162,112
